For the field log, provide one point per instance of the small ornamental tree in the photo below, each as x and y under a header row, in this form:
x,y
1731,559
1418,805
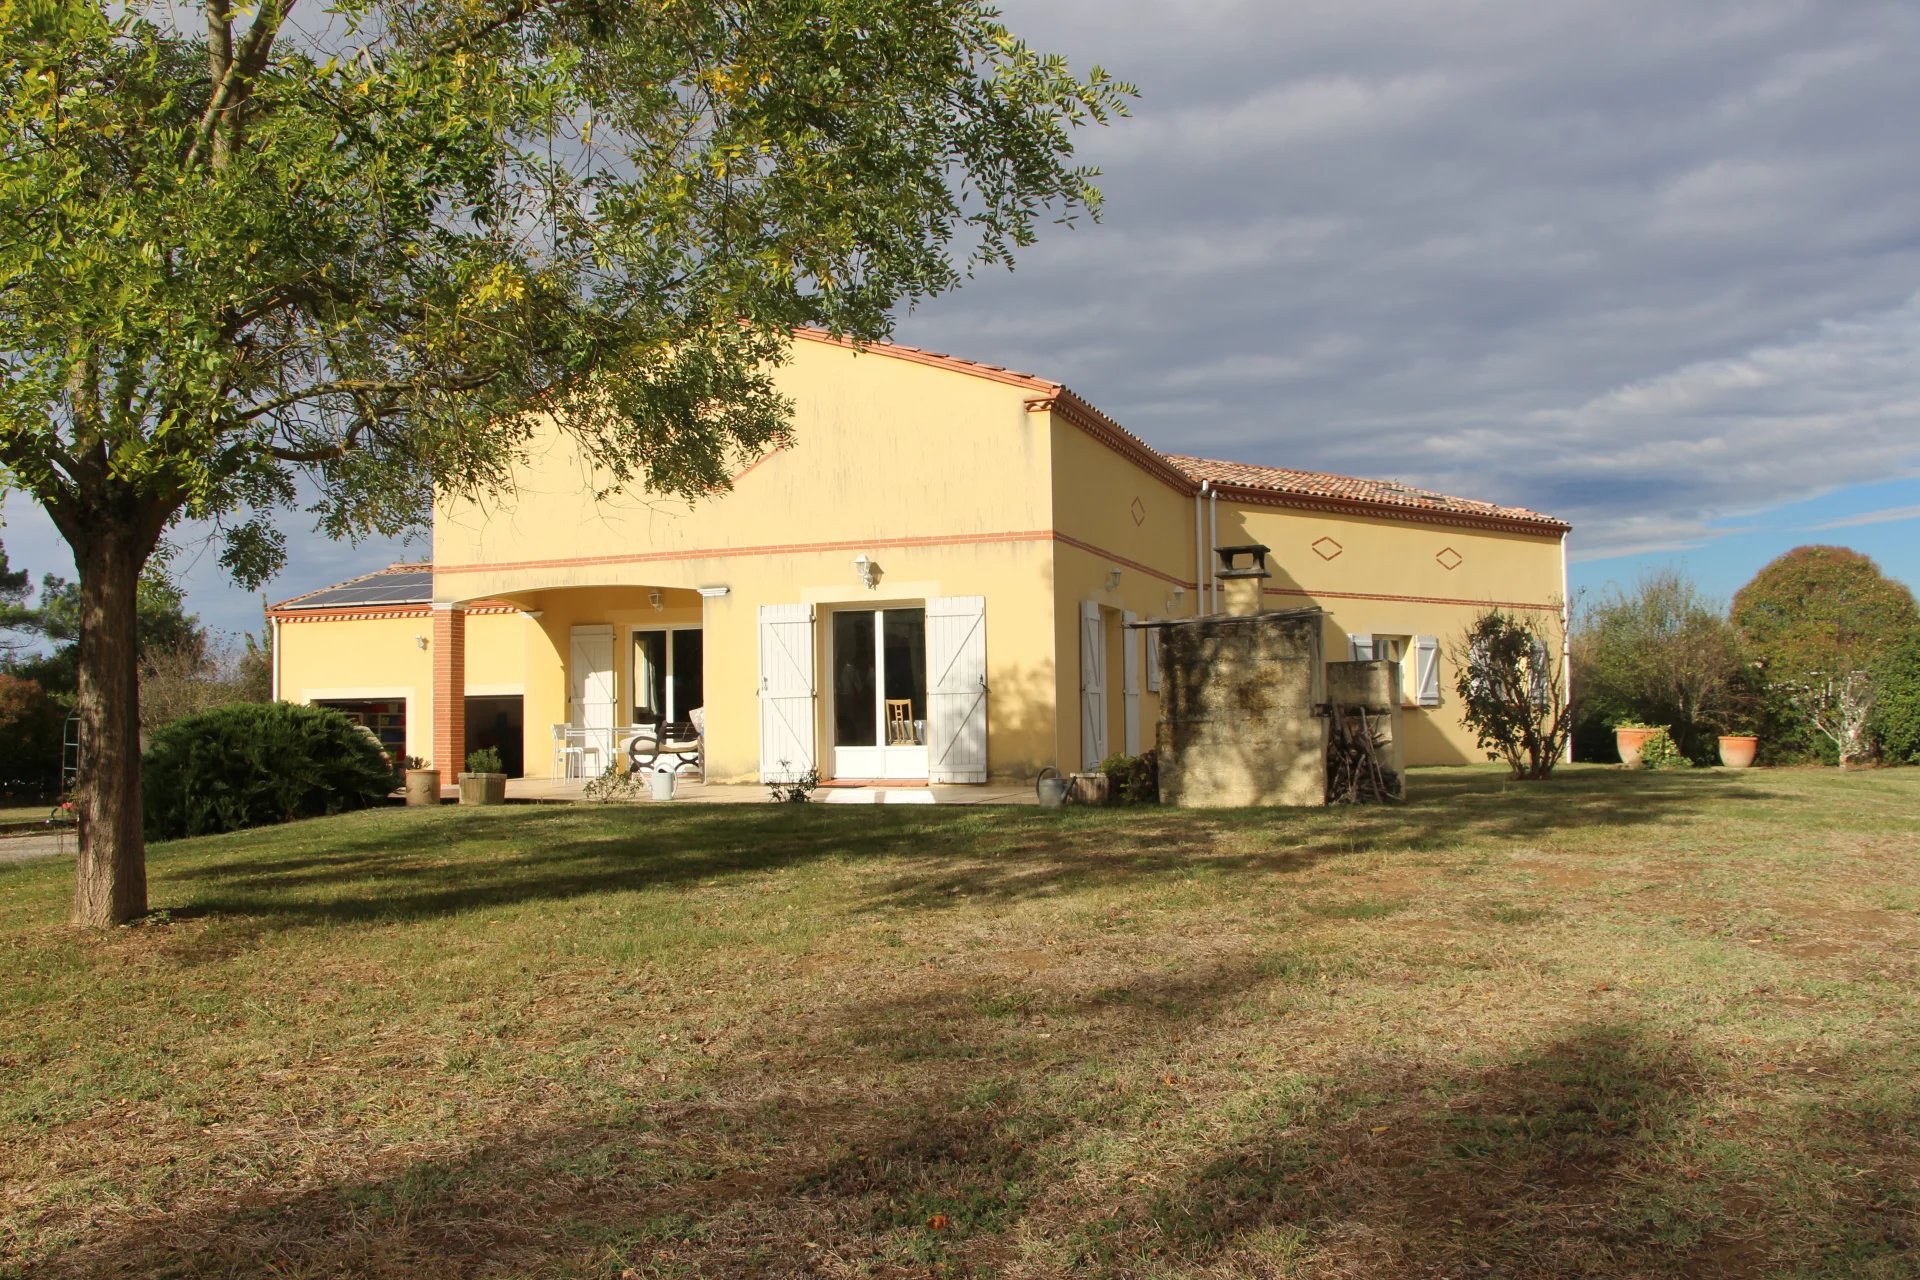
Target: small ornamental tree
x,y
1662,654
1840,705
1822,609
1821,620
1513,692
365,251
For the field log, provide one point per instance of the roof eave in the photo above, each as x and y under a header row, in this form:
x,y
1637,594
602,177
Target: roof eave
x,y
1542,525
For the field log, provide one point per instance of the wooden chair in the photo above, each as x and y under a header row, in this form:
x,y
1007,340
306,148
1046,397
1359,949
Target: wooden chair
x,y
900,722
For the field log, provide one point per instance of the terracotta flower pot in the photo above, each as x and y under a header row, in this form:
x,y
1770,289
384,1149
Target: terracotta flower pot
x,y
423,786
1629,742
1737,750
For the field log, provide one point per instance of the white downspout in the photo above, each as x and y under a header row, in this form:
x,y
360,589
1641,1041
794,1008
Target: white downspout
x,y
1213,541
1199,550
273,638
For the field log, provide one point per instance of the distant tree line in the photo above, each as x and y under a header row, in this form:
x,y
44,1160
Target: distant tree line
x,y
1819,655
184,669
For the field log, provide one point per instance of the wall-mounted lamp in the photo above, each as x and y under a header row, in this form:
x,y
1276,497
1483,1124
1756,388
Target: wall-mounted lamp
x,y
653,598
1174,600
869,571
420,642
1113,579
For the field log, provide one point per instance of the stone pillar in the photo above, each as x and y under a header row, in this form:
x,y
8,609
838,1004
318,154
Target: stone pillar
x,y
449,690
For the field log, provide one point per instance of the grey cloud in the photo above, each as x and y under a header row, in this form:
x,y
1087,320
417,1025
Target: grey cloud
x,y
1648,266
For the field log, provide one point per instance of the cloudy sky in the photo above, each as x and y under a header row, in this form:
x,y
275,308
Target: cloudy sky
x,y
1651,267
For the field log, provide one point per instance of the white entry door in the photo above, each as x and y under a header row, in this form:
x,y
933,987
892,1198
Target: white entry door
x,y
878,658
957,689
786,691
590,694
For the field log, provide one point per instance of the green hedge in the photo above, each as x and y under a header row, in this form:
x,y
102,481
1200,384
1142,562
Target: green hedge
x,y
254,764
1896,713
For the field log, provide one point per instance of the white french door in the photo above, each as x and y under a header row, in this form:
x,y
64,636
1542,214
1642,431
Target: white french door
x,y
878,661
590,700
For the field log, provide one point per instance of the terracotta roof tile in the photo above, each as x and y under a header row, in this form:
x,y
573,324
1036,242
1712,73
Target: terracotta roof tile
x,y
1321,484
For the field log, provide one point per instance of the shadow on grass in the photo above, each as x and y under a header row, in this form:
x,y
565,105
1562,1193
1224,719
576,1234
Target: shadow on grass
x,y
406,865
1571,1158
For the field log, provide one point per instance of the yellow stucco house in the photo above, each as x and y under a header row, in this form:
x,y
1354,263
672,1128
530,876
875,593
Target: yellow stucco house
x,y
934,582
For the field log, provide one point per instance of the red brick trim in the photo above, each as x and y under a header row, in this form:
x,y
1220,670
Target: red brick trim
x,y
1104,430
772,549
1362,595
1135,565
768,456
916,355
356,613
449,691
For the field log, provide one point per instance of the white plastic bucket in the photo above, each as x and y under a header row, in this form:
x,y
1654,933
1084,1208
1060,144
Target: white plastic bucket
x,y
662,784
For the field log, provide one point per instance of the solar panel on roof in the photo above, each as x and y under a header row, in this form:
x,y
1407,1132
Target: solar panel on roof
x,y
381,588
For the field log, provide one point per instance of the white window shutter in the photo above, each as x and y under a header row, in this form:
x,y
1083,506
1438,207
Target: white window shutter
x,y
957,689
1427,670
1130,679
1153,660
1093,686
1538,685
786,691
1360,647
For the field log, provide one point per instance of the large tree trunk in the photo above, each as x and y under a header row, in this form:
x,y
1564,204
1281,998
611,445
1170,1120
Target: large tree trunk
x,y
112,875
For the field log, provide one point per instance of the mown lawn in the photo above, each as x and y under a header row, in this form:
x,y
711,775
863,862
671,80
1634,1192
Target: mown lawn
x,y
1616,1025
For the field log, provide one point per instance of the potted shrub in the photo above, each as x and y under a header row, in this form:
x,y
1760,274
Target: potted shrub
x,y
1737,750
485,781
1660,751
1628,738
423,781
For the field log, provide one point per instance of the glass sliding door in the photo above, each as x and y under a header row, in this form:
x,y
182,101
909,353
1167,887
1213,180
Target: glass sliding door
x,y
668,678
879,661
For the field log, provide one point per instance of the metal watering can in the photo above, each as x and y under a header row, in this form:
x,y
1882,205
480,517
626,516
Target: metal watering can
x,y
1051,789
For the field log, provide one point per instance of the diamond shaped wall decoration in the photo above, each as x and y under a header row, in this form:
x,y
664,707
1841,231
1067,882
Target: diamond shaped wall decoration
x,y
1139,510
1327,548
1449,559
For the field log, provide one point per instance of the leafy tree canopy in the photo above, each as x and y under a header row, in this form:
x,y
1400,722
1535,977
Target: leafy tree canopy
x,y
380,242
1663,654
15,617
1822,611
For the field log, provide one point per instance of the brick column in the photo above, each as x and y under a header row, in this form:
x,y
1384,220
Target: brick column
x,y
449,690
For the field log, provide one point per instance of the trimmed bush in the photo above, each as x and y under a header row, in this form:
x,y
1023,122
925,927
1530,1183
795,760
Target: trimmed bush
x,y
251,765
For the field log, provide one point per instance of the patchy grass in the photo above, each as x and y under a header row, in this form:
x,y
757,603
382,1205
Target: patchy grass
x,y
1619,1024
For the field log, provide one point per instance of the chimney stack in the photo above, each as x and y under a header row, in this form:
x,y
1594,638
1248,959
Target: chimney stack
x,y
1243,571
